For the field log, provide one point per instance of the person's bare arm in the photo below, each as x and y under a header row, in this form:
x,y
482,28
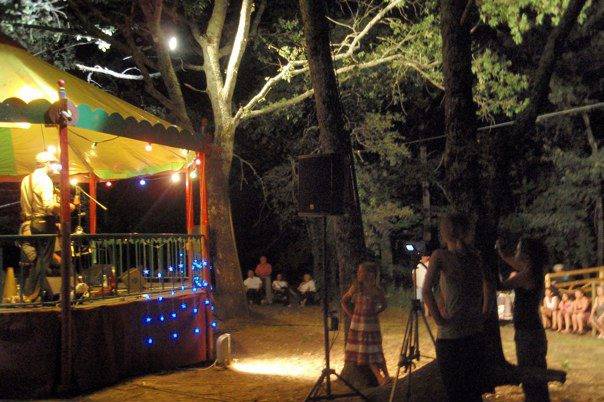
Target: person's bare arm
x,y
429,282
345,302
518,280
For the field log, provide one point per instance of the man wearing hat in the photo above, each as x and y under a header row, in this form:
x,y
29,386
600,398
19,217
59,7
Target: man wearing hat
x,y
40,208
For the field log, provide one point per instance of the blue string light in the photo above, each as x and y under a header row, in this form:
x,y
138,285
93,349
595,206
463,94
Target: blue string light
x,y
174,335
214,324
162,318
147,319
160,298
173,315
149,341
183,306
196,330
195,310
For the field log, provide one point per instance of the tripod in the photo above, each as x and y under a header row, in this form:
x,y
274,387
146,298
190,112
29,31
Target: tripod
x,y
327,372
410,353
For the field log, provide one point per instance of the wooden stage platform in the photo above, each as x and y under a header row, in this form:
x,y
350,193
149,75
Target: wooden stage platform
x,y
113,339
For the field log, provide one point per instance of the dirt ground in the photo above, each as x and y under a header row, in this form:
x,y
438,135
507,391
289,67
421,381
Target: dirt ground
x,y
279,354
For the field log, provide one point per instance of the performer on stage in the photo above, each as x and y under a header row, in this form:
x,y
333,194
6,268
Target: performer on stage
x,y
40,209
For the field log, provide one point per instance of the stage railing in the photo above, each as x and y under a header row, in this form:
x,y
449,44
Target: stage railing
x,y
105,266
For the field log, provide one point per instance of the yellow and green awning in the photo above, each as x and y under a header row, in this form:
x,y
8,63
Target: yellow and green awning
x,y
109,138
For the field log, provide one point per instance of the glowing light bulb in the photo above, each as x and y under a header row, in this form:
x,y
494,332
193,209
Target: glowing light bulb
x,y
172,43
193,174
196,330
175,178
197,161
149,341
108,184
148,147
51,149
73,181
142,182
184,152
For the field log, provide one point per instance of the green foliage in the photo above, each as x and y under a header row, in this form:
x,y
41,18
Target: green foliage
x,y
563,211
498,90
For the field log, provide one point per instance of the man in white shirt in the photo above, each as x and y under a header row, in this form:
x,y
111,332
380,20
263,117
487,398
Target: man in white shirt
x,y
419,275
40,209
253,286
281,290
307,290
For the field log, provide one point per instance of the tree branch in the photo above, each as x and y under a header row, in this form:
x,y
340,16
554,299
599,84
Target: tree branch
x,y
239,45
213,33
244,114
115,74
291,69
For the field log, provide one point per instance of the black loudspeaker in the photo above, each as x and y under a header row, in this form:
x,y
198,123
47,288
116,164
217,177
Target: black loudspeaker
x,y
321,181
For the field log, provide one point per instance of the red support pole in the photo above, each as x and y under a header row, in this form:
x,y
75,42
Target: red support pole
x,y
189,219
203,205
66,339
92,205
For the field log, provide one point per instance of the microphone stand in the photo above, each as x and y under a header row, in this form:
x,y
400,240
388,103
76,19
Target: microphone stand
x,y
80,189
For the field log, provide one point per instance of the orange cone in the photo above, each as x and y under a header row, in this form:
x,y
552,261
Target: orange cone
x,y
10,285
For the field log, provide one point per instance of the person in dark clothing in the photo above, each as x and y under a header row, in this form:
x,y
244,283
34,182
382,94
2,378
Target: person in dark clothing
x,y
460,312
526,279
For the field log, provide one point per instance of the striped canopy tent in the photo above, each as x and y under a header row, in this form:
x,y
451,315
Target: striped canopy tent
x,y
109,139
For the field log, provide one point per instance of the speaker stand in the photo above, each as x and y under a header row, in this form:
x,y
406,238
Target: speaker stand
x,y
325,377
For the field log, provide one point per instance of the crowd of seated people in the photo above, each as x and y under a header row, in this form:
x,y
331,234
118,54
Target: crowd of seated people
x,y
573,312
279,291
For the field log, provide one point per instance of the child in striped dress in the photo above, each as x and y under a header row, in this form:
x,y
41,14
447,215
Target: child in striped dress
x,y
364,343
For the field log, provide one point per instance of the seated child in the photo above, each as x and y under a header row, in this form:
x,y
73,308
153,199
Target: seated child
x,y
548,310
565,309
597,312
253,288
281,290
580,315
307,290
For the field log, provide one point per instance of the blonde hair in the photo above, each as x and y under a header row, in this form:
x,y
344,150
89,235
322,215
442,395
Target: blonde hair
x,y
370,288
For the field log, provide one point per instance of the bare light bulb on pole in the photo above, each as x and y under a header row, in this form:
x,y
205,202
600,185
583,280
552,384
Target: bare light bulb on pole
x,y
172,43
73,181
148,147
175,178
193,174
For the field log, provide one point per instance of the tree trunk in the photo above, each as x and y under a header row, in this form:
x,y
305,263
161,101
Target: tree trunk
x,y
230,295
348,228
517,153
426,210
461,151
599,208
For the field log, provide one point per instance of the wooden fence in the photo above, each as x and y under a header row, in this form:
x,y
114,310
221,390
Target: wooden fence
x,y
586,279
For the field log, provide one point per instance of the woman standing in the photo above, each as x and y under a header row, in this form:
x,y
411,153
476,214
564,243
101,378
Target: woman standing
x,y
528,264
464,300
364,343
